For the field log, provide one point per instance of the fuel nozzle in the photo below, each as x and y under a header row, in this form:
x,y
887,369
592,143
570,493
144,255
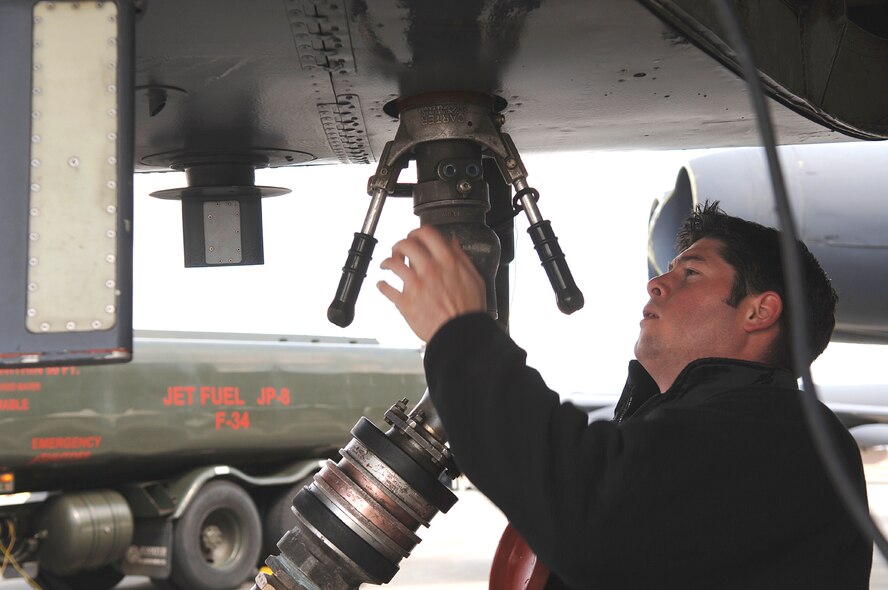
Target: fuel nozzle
x,y
448,134
452,195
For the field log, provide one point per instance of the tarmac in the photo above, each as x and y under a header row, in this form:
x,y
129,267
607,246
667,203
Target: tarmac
x,y
458,547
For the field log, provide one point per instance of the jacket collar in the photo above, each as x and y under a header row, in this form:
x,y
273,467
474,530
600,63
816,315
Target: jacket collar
x,y
701,377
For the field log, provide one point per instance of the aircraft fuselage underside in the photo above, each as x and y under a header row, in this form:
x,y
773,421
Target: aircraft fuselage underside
x,y
292,82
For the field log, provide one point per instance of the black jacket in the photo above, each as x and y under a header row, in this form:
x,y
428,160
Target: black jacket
x,y
713,484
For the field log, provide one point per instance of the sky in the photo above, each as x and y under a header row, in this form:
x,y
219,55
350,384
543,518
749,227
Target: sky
x,y
598,204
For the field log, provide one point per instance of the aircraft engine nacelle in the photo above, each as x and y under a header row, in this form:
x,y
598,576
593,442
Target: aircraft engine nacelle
x,y
838,197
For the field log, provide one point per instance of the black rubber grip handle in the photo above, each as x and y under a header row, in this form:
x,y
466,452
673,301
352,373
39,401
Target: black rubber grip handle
x,y
342,311
569,296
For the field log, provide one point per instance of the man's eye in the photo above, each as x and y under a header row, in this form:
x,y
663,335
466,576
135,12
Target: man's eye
x,y
690,272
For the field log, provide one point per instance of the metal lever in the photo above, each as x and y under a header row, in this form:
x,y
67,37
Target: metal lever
x,y
569,296
342,310
545,242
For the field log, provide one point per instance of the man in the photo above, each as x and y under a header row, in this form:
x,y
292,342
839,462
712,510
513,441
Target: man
x,y
706,478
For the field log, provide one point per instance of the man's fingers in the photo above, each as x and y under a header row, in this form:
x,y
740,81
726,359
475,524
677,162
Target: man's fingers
x,y
439,281
459,253
390,293
428,236
414,251
397,267
424,248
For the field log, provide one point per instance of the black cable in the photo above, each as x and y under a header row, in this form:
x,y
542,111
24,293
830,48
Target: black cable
x,y
790,258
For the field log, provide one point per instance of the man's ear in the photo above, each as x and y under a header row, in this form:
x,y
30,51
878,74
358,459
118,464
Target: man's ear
x,y
763,311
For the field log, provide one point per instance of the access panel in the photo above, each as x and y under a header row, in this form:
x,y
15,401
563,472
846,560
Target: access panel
x,y
66,137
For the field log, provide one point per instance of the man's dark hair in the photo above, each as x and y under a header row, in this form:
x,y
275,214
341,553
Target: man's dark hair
x,y
753,251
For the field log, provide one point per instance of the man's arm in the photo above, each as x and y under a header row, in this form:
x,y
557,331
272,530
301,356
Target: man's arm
x,y
517,467
536,459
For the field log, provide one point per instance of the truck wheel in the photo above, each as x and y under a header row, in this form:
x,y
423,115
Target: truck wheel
x,y
217,540
103,578
279,517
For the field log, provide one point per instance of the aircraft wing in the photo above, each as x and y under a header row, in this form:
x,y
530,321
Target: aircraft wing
x,y
218,88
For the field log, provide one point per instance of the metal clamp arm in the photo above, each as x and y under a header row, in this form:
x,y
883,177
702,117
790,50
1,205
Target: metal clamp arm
x,y
342,310
545,242
568,295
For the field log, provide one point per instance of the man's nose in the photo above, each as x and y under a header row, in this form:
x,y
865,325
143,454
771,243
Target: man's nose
x,y
656,287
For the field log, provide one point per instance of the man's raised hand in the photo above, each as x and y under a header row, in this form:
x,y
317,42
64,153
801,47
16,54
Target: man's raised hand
x,y
440,281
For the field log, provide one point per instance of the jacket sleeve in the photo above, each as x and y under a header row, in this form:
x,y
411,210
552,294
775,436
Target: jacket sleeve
x,y
550,472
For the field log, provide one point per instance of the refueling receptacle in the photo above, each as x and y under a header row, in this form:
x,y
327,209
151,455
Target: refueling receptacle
x,y
448,134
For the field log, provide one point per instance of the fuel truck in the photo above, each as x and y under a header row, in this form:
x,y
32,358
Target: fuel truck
x,y
181,465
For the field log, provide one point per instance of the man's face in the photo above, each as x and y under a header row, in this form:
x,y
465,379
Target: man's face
x,y
687,317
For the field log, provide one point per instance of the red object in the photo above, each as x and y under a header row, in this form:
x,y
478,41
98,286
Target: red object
x,y
515,565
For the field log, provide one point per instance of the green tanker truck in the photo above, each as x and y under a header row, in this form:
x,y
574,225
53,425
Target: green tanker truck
x,y
182,464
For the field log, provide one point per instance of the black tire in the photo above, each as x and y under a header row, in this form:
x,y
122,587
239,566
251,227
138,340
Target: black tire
x,y
217,540
103,578
278,516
